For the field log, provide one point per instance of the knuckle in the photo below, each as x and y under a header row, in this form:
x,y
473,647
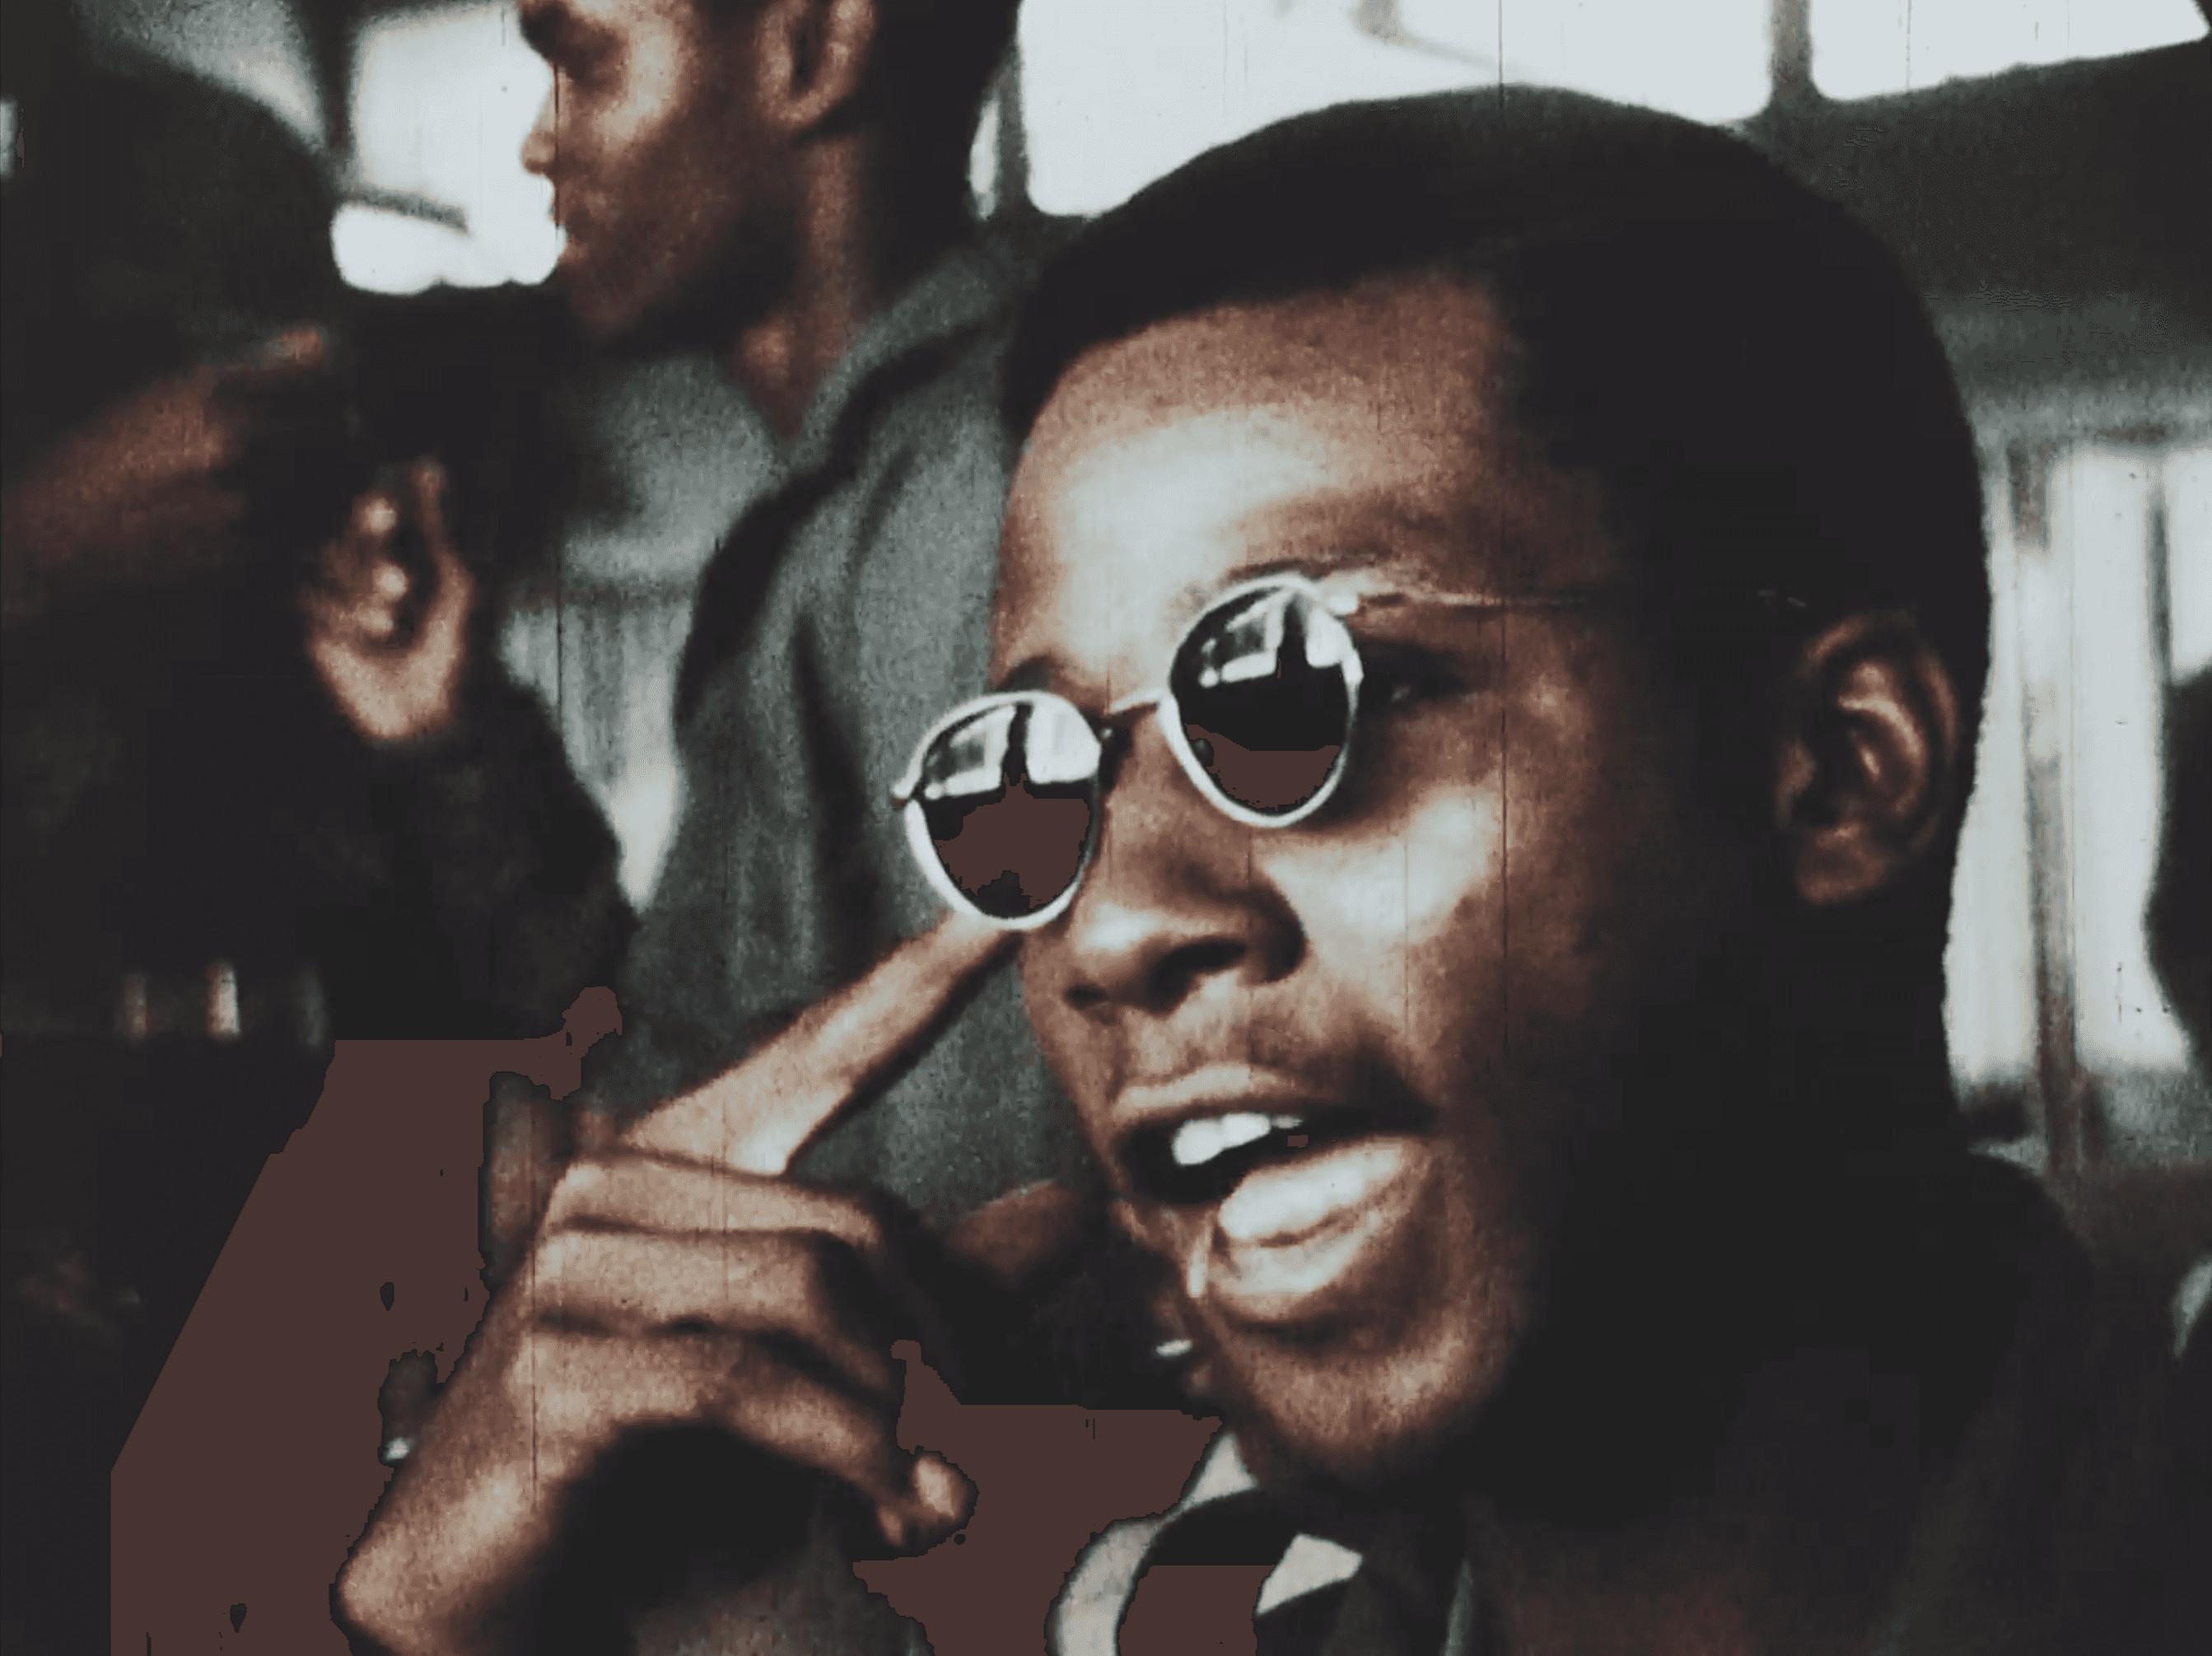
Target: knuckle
x,y
842,1287
882,1221
560,1256
586,1184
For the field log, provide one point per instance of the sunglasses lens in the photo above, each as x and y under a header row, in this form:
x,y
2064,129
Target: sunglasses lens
x,y
1008,797
1264,684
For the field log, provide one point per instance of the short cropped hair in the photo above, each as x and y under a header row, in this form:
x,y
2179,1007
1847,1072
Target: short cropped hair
x,y
1750,377
932,61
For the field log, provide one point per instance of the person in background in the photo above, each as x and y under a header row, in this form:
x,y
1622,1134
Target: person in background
x,y
210,873
1491,617
191,795
784,184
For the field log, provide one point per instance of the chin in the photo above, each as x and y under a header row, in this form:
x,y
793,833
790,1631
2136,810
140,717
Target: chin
x,y
605,319
1364,1426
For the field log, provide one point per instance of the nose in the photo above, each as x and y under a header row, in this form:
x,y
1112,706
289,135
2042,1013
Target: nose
x,y
1173,907
542,147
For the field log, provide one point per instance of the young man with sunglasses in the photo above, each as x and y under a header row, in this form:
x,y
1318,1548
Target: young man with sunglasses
x,y
1491,623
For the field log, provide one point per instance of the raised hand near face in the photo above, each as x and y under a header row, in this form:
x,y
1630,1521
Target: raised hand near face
x,y
390,653
677,1280
147,493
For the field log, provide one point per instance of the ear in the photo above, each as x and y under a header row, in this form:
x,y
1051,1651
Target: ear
x,y
1870,754
811,59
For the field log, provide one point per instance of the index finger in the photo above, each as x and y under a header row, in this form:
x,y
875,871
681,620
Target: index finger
x,y
839,1054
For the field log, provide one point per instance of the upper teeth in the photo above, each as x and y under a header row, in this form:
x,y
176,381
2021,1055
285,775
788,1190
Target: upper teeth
x,y
1198,1142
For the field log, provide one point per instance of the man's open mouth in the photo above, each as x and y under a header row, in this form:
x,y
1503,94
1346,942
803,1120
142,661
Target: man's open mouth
x,y
1203,1159
1296,1203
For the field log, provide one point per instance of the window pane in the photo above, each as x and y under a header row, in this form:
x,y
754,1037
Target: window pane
x,y
441,103
2100,515
1989,970
1865,48
2189,559
1114,96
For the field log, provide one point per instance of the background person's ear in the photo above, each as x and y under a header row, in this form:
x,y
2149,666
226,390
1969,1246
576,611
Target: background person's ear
x,y
1870,740
811,59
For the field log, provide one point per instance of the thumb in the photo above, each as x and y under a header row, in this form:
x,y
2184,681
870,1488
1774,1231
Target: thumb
x,y
426,488
453,588
941,1501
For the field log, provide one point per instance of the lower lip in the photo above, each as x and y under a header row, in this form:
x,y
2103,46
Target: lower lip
x,y
1299,1241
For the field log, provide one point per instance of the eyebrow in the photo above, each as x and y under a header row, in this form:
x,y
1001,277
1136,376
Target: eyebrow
x,y
552,29
1338,549
1033,673
1350,523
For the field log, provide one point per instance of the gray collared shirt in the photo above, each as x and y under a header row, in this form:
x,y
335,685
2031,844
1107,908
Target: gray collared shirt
x,y
848,608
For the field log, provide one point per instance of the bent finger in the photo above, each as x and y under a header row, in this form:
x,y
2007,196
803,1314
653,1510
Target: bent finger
x,y
919,1498
647,1194
348,564
585,1392
454,592
791,1287
651,1192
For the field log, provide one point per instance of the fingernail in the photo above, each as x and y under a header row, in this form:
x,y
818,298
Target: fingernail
x,y
940,1487
379,516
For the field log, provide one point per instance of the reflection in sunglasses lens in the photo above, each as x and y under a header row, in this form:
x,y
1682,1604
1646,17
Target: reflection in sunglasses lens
x,y
1265,701
1007,797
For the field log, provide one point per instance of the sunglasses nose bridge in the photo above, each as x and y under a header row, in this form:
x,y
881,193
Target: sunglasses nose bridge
x,y
1149,813
1173,899
1244,771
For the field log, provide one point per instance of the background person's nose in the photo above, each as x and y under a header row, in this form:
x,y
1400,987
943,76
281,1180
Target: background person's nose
x,y
1173,902
542,146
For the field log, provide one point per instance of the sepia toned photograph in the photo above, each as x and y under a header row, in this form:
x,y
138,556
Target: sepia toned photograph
x,y
1106,827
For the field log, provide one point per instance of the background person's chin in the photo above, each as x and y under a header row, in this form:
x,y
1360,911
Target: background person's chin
x,y
603,317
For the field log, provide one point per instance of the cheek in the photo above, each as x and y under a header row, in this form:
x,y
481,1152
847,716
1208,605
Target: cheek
x,y
642,144
648,126
1407,915
1412,886
1075,1047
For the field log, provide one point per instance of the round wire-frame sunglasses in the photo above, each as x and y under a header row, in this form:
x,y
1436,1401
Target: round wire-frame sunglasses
x,y
1002,798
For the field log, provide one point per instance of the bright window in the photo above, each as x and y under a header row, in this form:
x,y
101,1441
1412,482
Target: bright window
x,y
442,101
2072,729
1866,48
1115,96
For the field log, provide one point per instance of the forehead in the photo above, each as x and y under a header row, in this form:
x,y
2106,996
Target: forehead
x,y
1363,430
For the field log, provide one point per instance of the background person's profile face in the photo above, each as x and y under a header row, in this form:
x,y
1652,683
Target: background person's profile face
x,y
650,141
1338,1068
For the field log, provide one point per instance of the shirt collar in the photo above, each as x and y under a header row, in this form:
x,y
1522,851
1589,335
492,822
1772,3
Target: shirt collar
x,y
1221,1497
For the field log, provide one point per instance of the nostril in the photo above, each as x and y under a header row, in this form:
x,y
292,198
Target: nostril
x,y
1179,969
